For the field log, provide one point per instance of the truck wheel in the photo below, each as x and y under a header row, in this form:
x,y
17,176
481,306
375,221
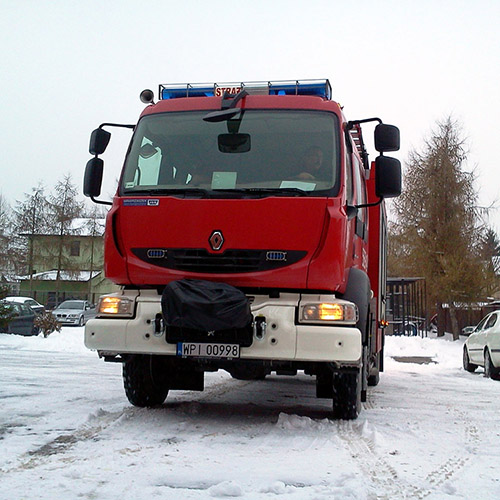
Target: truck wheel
x,y
144,381
364,375
374,376
347,395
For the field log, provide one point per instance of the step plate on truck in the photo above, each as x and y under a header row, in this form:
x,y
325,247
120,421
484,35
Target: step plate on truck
x,y
205,350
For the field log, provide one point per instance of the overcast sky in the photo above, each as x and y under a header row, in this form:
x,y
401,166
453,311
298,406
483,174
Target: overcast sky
x,y
68,65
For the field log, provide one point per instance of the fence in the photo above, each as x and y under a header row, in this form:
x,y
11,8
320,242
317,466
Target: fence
x,y
406,307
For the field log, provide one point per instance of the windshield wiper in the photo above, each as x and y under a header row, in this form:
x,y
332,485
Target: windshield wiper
x,y
266,191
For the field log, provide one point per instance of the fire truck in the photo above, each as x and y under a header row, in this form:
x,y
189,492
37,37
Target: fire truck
x,y
247,233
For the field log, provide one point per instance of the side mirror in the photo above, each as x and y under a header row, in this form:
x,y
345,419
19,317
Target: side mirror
x,y
99,140
386,138
92,181
387,177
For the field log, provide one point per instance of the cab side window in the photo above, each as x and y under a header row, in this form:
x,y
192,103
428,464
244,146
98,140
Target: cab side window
x,y
360,198
348,179
360,188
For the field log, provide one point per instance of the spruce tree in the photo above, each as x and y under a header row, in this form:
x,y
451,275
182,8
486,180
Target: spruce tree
x,y
438,232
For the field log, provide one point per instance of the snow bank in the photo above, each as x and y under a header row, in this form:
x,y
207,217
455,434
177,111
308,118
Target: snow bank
x,y
69,339
442,351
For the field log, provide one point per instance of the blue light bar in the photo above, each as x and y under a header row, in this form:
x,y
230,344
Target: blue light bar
x,y
186,90
319,88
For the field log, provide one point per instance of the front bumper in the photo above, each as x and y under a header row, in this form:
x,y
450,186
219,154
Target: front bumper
x,y
68,321
284,338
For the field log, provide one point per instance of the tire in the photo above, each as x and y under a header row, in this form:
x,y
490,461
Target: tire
x,y
346,395
81,322
358,291
374,378
489,370
364,375
468,366
144,381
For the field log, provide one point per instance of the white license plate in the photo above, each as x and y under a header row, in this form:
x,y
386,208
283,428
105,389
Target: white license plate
x,y
203,350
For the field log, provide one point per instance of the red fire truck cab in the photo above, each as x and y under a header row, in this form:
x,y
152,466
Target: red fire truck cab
x,y
247,234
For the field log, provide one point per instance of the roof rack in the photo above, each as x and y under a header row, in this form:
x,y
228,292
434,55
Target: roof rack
x,y
357,138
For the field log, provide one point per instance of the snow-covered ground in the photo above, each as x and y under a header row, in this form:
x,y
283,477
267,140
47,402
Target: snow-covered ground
x,y
68,432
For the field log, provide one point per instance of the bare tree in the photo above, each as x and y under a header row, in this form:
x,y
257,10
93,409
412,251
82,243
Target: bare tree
x,y
438,232
64,209
95,228
5,237
31,217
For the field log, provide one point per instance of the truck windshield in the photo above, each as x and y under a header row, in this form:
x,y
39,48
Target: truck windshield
x,y
259,152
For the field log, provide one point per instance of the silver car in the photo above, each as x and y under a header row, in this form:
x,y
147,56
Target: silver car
x,y
74,312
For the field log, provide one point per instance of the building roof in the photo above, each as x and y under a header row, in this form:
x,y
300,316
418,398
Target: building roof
x,y
64,275
79,227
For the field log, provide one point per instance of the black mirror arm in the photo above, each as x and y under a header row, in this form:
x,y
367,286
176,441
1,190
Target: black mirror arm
x,y
101,202
102,125
229,104
351,211
367,205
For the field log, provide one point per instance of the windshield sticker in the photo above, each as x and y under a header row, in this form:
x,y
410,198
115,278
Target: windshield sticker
x,y
305,186
138,202
224,180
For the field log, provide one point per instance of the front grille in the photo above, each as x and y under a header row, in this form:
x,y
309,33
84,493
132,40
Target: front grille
x,y
199,260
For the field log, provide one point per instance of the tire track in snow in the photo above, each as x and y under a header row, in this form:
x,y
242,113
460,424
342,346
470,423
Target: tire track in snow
x,y
383,478
454,463
61,444
102,420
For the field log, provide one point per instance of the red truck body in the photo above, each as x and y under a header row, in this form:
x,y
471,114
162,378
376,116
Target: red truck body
x,y
256,226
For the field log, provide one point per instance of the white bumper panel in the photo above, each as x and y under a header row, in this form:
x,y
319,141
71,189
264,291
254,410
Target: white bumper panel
x,y
283,340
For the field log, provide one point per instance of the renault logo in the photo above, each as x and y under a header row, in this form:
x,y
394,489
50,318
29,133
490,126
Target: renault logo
x,y
216,240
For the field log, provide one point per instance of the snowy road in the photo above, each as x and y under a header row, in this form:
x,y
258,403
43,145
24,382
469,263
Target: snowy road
x,y
67,432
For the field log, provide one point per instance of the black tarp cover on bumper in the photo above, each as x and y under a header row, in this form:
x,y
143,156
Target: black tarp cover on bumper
x,y
205,305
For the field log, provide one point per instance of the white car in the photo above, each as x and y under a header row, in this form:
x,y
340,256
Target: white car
x,y
27,301
482,347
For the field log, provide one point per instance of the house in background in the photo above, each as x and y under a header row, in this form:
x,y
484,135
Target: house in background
x,y
68,266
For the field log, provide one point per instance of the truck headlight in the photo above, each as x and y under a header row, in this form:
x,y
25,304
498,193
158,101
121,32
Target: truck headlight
x,y
115,306
338,312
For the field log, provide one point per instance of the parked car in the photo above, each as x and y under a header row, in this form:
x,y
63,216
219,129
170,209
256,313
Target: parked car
x,y
482,346
28,301
17,318
74,312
